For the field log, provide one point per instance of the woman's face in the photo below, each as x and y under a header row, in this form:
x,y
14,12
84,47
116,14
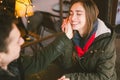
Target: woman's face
x,y
77,17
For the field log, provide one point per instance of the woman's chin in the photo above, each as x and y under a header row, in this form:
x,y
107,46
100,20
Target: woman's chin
x,y
74,28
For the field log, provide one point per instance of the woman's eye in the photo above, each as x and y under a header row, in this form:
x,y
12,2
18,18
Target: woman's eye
x,y
79,14
70,13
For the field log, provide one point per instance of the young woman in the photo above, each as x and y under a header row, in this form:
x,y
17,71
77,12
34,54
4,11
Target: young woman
x,y
93,55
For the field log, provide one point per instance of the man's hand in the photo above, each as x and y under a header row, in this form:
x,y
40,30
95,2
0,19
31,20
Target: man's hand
x,y
67,28
63,78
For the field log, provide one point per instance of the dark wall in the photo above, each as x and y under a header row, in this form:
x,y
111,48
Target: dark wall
x,y
103,8
107,10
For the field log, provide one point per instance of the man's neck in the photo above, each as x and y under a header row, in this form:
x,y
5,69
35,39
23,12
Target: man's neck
x,y
3,66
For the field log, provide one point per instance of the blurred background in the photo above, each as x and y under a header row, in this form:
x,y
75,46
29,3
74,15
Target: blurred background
x,y
40,22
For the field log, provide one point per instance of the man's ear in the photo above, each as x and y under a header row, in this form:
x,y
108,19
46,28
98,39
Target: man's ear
x,y
1,54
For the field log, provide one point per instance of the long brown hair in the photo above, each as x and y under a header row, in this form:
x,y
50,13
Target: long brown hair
x,y
91,12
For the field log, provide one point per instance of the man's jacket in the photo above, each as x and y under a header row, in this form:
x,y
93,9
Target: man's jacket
x,y
38,61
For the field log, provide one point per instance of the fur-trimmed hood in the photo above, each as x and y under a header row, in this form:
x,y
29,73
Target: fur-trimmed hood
x,y
102,28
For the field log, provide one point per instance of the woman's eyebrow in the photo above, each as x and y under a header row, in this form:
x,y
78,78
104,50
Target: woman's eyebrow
x,y
77,11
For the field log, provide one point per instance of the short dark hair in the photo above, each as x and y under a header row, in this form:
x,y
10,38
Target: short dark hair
x,y
6,21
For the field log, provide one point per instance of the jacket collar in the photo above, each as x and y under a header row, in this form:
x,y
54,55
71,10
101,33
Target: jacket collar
x,y
6,72
102,28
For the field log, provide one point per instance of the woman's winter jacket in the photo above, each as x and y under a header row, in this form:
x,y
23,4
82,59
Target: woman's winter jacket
x,y
98,63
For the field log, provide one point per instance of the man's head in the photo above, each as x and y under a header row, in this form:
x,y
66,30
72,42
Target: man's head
x,y
10,39
5,29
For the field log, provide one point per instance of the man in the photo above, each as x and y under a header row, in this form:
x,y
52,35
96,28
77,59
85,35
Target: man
x,y
10,46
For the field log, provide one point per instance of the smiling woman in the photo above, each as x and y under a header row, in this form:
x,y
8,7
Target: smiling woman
x,y
93,52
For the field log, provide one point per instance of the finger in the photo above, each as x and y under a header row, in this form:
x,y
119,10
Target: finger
x,y
62,78
63,28
69,31
64,24
66,79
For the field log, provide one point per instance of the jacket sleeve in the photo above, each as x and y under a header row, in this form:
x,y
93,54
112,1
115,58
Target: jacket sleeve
x,y
105,69
41,59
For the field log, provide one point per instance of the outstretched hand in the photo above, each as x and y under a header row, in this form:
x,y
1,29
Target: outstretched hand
x,y
63,78
67,28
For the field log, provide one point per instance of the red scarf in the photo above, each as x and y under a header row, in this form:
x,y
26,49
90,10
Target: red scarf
x,y
81,51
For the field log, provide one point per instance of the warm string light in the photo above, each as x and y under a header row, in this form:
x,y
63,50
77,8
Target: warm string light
x,y
2,6
1,1
23,8
5,8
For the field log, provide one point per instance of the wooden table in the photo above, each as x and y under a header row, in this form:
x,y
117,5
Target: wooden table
x,y
38,39
31,42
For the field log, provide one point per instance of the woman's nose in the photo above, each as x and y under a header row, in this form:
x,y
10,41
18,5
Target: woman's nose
x,y
73,17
